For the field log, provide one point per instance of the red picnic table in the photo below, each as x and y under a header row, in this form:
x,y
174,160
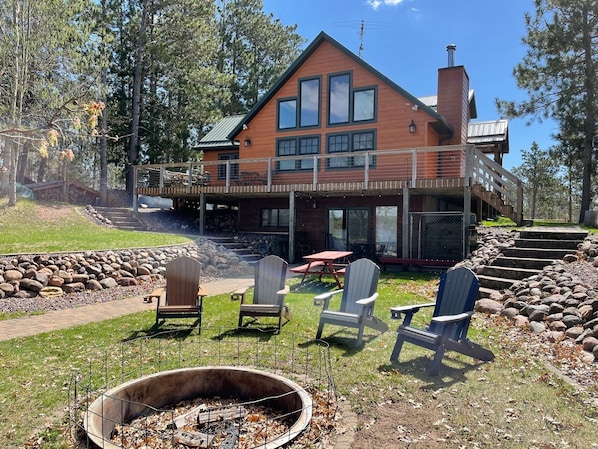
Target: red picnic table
x,y
330,263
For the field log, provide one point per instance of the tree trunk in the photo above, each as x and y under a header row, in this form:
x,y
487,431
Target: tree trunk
x,y
136,101
41,171
590,116
22,164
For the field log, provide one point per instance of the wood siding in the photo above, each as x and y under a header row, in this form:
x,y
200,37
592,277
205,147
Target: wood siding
x,y
394,112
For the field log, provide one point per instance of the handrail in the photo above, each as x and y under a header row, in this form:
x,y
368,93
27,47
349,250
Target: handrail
x,y
462,161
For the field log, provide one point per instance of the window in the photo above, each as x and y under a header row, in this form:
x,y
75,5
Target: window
x,y
338,100
387,230
307,146
309,95
234,168
287,147
338,144
287,114
274,218
347,143
362,142
349,105
299,146
347,228
364,105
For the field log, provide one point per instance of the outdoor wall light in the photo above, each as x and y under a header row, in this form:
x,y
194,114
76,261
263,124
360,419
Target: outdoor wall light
x,y
412,126
247,141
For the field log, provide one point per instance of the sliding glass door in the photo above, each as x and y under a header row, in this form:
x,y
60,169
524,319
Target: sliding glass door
x,y
347,228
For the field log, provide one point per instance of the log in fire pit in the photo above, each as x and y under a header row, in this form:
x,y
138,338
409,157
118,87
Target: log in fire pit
x,y
157,393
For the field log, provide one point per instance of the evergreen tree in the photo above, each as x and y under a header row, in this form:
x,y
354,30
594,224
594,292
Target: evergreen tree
x,y
254,49
560,72
538,172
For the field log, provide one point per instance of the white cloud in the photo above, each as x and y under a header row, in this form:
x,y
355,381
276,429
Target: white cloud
x,y
375,4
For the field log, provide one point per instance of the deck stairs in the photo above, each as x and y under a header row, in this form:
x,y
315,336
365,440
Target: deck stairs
x,y
534,249
495,201
122,218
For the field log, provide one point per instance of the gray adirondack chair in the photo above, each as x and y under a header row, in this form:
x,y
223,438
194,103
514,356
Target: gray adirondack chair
x,y
269,291
357,303
453,309
183,296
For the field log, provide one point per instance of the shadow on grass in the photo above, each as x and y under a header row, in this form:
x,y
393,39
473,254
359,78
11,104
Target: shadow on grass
x,y
172,330
344,339
261,333
452,373
313,286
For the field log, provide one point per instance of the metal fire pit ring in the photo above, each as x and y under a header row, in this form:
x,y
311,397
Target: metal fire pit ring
x,y
126,402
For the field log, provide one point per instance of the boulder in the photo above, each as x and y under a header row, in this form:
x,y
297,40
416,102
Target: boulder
x,y
31,285
108,282
12,275
74,287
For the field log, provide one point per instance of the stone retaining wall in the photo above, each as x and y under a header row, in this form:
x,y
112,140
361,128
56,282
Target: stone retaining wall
x,y
28,276
561,302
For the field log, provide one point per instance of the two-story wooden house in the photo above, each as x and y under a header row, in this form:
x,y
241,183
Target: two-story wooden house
x,y
337,156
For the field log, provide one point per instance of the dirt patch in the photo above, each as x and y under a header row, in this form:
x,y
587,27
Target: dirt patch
x,y
400,425
53,212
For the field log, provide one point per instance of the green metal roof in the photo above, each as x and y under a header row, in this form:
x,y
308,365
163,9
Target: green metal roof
x,y
218,136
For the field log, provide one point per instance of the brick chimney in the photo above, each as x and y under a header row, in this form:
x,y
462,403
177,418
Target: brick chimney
x,y
453,98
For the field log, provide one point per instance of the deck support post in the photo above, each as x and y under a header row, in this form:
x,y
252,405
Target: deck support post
x,y
466,219
291,226
467,199
405,226
202,213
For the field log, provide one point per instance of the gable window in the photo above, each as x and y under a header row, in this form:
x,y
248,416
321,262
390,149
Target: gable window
x,y
274,218
347,104
297,146
364,105
309,95
338,99
341,144
234,168
287,114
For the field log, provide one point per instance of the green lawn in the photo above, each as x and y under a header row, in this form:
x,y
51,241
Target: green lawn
x,y
512,402
36,371
30,227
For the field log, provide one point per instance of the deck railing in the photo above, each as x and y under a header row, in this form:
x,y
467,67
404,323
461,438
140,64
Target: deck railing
x,y
387,170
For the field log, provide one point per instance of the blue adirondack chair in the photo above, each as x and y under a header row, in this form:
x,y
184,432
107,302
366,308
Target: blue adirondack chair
x,y
269,291
358,299
447,331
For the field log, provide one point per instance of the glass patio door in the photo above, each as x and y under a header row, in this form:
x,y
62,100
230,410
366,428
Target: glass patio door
x,y
347,229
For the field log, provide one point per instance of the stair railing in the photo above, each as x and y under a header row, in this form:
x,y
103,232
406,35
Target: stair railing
x,y
494,178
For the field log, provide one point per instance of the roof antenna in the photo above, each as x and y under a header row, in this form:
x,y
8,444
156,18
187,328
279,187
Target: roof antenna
x,y
361,37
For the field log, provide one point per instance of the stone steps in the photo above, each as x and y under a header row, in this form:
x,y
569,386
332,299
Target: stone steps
x,y
122,218
520,262
536,253
533,250
543,243
233,245
517,273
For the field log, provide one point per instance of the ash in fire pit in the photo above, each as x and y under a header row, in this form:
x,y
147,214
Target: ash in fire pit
x,y
215,405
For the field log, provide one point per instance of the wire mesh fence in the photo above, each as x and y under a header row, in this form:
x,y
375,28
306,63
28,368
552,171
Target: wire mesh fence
x,y
256,417
437,235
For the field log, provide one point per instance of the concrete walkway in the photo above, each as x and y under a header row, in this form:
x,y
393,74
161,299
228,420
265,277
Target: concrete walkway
x,y
62,319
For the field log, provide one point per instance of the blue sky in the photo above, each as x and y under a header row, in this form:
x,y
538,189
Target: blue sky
x,y
406,40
